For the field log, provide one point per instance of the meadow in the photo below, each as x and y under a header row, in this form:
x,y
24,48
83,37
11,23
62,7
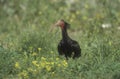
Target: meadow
x,y
29,51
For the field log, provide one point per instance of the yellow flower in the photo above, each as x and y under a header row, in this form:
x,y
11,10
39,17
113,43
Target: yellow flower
x,y
59,65
48,63
77,12
17,65
84,17
24,74
86,6
53,73
34,54
57,59
39,49
52,63
43,22
48,67
71,20
30,69
43,64
40,13
51,52
110,43
35,63
43,58
73,16
65,63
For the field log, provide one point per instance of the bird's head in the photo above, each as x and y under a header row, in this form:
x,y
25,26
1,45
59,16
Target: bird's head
x,y
61,23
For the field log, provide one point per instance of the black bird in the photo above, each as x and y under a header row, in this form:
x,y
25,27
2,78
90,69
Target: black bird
x,y
67,46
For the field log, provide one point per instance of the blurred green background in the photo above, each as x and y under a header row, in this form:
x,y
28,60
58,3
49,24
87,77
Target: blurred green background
x,y
29,51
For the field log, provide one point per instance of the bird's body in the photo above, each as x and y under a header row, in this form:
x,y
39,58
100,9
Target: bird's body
x,y
67,46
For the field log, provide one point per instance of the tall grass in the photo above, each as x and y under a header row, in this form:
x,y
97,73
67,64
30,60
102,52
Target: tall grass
x,y
29,51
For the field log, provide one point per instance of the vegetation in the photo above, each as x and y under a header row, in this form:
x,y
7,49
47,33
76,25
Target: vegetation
x,y
29,51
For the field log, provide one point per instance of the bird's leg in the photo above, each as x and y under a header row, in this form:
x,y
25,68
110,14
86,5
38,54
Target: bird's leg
x,y
66,57
61,53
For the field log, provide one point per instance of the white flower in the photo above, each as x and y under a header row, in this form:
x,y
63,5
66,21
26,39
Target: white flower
x,y
106,25
118,28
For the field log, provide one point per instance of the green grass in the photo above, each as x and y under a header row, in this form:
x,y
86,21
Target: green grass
x,y
29,51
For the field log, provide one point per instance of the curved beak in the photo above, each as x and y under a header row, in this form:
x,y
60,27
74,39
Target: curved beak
x,y
53,26
56,24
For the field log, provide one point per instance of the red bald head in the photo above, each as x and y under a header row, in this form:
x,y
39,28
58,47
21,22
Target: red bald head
x,y
61,23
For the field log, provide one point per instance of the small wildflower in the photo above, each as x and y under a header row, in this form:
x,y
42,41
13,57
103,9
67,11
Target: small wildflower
x,y
34,54
84,17
39,49
30,69
57,59
59,65
53,73
47,63
24,74
73,16
17,65
51,52
65,63
110,43
86,6
43,58
118,28
43,64
33,25
30,48
52,63
106,25
35,71
35,63
77,12
48,68
40,12
71,20
43,22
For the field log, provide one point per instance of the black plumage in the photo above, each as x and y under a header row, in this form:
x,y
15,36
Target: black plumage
x,y
67,46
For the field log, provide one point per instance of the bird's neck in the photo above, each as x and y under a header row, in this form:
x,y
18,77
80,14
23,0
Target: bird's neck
x,y
64,34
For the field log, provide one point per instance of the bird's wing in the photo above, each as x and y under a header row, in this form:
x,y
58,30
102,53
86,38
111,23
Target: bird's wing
x,y
76,49
60,49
